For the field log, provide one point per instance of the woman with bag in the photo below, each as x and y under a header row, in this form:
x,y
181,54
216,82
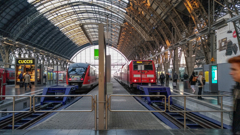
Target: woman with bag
x,y
192,81
200,84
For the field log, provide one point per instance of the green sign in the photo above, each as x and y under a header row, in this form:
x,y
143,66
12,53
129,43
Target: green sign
x,y
96,54
214,74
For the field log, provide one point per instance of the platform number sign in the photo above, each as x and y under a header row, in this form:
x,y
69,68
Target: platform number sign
x,y
96,54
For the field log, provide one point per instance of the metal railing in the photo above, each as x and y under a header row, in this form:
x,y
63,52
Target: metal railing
x,y
13,109
108,105
185,111
93,105
32,100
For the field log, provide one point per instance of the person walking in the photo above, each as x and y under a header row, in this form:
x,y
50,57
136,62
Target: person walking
x,y
21,79
192,81
167,79
200,84
162,77
27,80
175,77
235,73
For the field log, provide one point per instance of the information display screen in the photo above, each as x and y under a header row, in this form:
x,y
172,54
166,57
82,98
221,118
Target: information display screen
x,y
96,54
214,74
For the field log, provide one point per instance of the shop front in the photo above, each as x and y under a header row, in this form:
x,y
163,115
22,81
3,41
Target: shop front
x,y
24,65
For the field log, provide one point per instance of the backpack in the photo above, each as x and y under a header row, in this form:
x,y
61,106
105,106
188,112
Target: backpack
x,y
194,79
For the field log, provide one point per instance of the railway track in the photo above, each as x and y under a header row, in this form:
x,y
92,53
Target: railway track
x,y
177,118
24,120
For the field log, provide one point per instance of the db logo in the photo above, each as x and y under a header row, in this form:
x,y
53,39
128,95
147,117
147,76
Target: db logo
x,y
234,34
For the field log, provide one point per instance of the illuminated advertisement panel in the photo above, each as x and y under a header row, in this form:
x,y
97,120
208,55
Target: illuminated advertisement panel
x,y
214,74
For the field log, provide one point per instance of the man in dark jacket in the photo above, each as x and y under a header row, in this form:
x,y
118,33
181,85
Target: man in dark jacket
x,y
175,77
185,76
21,79
235,73
167,79
162,77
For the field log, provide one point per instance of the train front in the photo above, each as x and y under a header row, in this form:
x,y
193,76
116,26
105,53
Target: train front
x,y
143,72
76,74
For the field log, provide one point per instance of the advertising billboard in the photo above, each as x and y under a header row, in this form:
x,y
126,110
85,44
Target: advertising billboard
x,y
214,74
227,43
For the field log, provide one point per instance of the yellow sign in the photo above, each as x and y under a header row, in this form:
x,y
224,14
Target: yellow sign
x,y
139,61
25,61
212,59
207,76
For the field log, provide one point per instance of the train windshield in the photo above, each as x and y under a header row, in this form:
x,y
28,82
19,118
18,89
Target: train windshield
x,y
142,65
76,71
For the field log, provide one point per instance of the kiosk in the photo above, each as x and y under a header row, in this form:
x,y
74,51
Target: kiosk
x,y
27,65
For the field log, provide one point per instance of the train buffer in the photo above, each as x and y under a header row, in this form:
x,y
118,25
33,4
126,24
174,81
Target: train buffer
x,y
57,90
155,90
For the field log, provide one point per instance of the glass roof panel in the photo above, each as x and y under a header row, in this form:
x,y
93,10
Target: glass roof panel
x,y
68,15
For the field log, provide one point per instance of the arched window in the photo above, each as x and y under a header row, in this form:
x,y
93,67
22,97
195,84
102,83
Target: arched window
x,y
86,55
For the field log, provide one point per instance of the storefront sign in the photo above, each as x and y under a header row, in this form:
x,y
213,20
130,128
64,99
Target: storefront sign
x,y
26,61
214,74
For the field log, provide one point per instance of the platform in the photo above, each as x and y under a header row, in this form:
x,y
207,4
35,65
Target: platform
x,y
227,101
117,120
118,132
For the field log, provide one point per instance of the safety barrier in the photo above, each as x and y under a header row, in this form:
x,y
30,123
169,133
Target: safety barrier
x,y
13,110
108,105
32,106
185,111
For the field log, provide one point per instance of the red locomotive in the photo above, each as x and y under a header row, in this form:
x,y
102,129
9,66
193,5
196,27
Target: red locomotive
x,y
83,75
137,72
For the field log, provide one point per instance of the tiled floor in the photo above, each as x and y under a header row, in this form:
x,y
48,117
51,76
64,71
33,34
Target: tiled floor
x,y
118,132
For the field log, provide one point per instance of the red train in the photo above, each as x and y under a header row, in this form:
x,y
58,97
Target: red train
x,y
82,74
137,72
9,74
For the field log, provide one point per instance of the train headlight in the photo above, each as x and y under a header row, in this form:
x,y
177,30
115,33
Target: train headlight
x,y
70,79
135,80
152,80
81,79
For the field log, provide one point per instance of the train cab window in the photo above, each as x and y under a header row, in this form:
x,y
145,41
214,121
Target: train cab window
x,y
74,71
148,67
142,65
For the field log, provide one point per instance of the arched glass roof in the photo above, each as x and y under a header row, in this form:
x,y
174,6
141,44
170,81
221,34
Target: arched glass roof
x,y
86,55
78,19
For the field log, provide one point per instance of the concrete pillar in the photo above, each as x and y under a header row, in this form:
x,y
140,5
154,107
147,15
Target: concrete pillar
x,y
101,87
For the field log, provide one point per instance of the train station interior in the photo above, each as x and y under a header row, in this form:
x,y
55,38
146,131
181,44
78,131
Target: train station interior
x,y
119,67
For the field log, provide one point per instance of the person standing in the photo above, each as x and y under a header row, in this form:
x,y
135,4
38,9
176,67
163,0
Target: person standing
x,y
167,79
192,81
235,73
185,76
162,77
21,79
175,77
27,80
200,84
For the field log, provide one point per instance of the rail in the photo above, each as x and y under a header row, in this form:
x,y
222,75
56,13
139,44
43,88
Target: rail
x,y
32,106
13,109
108,105
185,111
